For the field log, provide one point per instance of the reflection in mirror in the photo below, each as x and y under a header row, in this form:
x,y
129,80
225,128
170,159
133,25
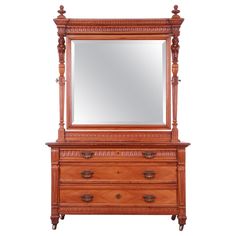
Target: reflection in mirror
x,y
117,82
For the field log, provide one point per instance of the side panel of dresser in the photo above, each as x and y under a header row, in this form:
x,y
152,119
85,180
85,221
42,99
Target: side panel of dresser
x,y
181,186
55,185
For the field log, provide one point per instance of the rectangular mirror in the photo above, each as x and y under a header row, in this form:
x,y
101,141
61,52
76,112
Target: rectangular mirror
x,y
119,82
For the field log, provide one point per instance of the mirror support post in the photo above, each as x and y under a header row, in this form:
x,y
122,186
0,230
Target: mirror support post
x,y
175,53
61,22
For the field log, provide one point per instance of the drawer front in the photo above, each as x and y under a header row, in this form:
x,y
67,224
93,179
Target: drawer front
x,y
100,155
118,196
119,172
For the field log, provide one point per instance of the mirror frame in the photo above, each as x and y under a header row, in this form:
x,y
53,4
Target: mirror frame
x,y
148,28
70,125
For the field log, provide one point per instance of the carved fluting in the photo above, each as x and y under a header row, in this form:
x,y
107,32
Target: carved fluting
x,y
117,153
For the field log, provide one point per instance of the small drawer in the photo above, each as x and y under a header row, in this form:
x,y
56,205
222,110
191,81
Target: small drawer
x,y
110,172
104,155
118,195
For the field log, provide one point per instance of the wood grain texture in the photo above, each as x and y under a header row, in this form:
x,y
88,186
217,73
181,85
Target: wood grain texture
x,y
126,173
118,196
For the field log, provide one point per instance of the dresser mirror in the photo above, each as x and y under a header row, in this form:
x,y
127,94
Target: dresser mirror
x,y
119,82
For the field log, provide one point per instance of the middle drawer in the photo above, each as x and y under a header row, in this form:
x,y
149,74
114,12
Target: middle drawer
x,y
118,172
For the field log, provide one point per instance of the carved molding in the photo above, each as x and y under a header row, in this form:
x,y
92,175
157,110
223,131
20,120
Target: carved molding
x,y
61,46
91,29
117,153
117,210
118,135
90,26
124,22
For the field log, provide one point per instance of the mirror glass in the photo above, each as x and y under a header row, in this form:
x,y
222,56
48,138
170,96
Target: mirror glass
x,y
118,82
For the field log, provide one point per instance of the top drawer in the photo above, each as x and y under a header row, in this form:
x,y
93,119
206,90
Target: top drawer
x,y
100,155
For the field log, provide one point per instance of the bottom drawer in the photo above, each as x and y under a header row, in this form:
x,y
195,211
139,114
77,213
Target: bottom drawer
x,y
117,196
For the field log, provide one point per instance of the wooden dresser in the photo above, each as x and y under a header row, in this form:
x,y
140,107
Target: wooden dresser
x,y
118,169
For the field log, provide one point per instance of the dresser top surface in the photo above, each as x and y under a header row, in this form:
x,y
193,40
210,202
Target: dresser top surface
x,y
118,144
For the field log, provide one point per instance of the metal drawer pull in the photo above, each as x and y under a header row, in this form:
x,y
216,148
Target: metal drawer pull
x,y
149,174
87,198
87,155
149,155
149,198
87,174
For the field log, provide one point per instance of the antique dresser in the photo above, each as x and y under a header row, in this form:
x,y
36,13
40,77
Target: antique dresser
x,y
119,152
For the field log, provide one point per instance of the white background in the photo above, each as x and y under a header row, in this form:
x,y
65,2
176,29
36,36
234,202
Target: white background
x,y
29,116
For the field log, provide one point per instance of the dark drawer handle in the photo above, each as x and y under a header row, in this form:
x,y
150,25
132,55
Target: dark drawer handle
x,y
149,155
87,155
149,174
149,198
87,174
87,198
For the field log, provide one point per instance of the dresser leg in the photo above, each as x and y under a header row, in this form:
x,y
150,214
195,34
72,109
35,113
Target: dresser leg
x,y
62,216
182,222
54,220
173,217
181,227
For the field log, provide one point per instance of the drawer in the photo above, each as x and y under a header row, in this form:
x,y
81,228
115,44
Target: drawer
x,y
104,155
117,195
110,172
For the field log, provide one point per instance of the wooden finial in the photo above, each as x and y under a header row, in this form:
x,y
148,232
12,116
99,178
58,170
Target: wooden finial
x,y
61,12
175,12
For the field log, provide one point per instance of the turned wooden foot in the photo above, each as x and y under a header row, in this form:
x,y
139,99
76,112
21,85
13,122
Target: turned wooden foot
x,y
182,222
62,216
173,217
54,220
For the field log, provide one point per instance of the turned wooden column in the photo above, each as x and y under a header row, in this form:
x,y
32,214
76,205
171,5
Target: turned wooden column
x,y
61,22
175,80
